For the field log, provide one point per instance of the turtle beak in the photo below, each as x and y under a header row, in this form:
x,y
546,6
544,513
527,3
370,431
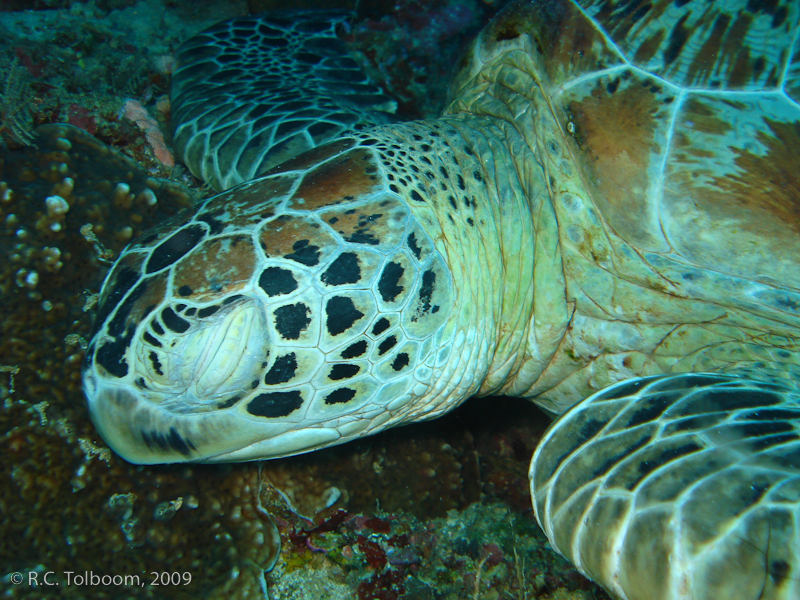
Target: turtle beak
x,y
142,433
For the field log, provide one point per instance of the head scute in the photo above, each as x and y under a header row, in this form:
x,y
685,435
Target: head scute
x,y
310,296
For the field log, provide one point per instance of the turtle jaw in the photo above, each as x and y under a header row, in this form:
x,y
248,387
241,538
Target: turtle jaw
x,y
143,433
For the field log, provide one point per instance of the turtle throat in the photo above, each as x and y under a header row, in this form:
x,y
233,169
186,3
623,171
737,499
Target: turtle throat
x,y
463,181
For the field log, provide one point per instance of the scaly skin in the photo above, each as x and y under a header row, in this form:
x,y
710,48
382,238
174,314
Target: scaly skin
x,y
348,291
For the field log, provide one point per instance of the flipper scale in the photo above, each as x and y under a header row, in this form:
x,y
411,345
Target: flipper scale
x,y
677,486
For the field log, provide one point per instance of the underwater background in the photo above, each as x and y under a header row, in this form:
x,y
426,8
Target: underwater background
x,y
438,510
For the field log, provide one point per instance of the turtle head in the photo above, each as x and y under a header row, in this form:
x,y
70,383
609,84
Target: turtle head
x,y
293,312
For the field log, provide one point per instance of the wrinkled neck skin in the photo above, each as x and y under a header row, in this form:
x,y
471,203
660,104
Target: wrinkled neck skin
x,y
498,232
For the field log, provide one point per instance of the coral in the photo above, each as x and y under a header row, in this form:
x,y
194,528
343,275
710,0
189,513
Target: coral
x,y
67,204
137,113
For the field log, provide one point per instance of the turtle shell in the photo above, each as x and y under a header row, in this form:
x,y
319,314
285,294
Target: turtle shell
x,y
677,121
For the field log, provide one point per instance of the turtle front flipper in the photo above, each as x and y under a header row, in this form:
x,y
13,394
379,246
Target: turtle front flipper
x,y
250,93
679,486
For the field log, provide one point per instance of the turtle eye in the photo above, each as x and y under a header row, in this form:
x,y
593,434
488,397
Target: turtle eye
x,y
202,359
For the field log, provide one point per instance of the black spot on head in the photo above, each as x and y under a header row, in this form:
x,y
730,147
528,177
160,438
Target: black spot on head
x,y
275,404
460,181
171,441
342,314
123,280
470,222
173,322
282,370
291,320
415,195
453,203
340,396
118,323
174,247
400,362
215,226
477,175
445,173
111,355
229,402
207,311
425,295
155,362
345,269
343,371
184,290
276,281
386,345
612,86
151,340
304,253
354,350
381,326
387,286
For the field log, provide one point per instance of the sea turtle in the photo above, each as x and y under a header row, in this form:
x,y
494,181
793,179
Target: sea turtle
x,y
604,220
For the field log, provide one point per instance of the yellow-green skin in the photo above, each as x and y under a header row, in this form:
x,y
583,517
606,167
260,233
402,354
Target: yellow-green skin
x,y
665,208
612,194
